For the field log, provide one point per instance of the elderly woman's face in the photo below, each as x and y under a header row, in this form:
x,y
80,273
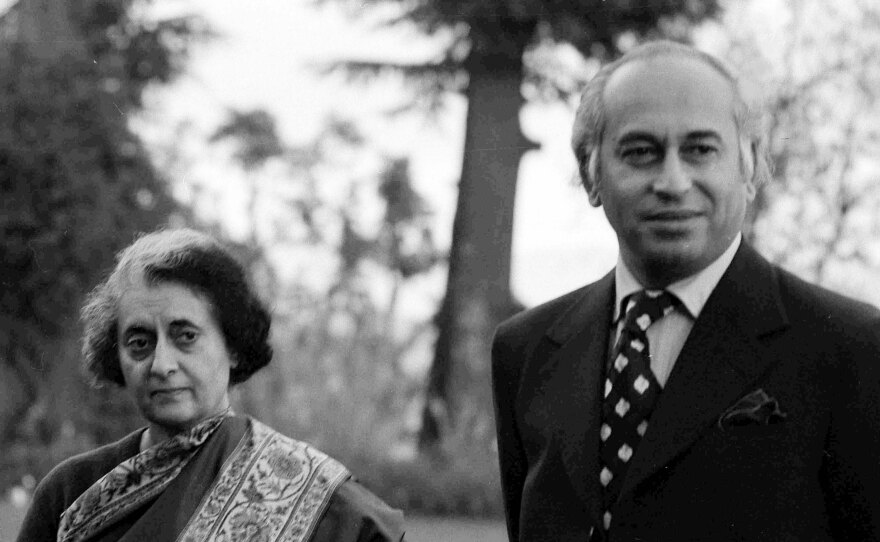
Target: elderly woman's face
x,y
173,355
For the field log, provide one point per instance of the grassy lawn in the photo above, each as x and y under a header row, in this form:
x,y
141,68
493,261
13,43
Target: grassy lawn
x,y
419,529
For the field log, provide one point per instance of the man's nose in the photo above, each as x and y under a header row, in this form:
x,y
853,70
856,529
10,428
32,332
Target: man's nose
x,y
673,179
164,359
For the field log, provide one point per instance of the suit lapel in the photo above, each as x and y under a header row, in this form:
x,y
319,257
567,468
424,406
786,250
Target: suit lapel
x,y
720,360
575,387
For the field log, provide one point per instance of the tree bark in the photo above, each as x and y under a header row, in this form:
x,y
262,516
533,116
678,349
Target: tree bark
x,y
478,292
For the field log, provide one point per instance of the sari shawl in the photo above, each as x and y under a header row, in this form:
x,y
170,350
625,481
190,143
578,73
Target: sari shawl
x,y
226,479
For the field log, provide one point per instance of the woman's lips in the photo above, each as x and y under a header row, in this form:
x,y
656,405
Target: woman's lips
x,y
167,392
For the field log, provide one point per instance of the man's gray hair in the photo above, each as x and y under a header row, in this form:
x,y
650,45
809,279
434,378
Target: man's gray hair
x,y
590,119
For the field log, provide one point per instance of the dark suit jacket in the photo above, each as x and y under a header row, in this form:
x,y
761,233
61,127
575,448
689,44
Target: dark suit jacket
x,y
813,477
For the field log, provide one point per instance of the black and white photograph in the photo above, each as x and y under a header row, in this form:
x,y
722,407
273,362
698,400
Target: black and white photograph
x,y
439,270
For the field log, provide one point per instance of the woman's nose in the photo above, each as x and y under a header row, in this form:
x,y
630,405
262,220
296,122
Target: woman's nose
x,y
164,359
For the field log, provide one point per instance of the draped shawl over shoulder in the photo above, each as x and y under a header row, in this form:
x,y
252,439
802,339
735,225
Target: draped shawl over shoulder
x,y
227,479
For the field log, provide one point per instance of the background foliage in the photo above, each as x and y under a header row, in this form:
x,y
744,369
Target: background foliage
x,y
76,185
350,372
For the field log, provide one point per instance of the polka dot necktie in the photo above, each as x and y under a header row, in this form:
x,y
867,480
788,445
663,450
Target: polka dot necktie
x,y
631,389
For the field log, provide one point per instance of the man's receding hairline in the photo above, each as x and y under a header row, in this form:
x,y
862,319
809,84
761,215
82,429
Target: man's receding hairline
x,y
674,54
666,49
696,56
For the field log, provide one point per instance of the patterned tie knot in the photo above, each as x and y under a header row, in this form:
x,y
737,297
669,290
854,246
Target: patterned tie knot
x,y
645,307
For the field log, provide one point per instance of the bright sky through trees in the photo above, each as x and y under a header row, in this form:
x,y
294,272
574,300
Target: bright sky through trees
x,y
263,59
266,56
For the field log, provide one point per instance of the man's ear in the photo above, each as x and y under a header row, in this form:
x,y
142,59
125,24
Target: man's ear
x,y
751,189
591,179
749,153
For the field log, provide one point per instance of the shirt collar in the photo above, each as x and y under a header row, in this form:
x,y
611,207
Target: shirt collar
x,y
693,291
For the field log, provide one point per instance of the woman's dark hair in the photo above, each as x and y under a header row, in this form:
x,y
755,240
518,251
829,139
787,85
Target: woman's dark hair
x,y
192,259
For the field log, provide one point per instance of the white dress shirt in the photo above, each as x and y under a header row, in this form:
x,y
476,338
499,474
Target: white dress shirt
x,y
666,337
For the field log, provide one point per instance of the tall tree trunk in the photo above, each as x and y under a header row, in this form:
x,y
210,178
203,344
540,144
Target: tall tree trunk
x,y
478,293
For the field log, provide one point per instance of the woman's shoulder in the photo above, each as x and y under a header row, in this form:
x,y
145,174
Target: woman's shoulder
x,y
67,481
82,470
352,513
365,514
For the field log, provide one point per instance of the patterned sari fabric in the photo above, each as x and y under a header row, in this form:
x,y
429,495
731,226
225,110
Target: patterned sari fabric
x,y
274,489
133,483
270,488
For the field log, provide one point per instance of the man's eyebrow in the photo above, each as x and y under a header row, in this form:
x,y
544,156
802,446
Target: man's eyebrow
x,y
704,134
636,136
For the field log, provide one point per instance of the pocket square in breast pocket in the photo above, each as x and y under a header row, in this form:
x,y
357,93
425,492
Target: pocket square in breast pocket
x,y
755,408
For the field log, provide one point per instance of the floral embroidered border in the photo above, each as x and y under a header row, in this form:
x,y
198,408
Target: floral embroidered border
x,y
272,489
132,483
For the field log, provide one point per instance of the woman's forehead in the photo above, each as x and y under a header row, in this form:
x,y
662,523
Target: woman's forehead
x,y
163,303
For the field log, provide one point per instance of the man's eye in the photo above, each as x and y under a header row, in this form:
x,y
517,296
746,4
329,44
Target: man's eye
x,y
699,151
638,155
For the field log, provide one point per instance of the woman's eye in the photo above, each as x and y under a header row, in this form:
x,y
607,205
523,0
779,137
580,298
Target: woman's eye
x,y
139,346
187,336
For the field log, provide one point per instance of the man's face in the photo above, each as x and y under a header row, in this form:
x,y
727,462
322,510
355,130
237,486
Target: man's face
x,y
670,178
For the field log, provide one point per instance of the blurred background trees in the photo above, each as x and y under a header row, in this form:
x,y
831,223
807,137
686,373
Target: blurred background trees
x,y
490,51
821,91
76,183
404,400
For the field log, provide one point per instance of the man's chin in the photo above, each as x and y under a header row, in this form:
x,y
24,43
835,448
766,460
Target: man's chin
x,y
670,262
675,231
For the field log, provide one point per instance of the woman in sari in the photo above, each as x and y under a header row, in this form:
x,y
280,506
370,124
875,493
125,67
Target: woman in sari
x,y
176,324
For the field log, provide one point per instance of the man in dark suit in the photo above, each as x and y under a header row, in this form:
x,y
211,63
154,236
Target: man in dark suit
x,y
696,392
